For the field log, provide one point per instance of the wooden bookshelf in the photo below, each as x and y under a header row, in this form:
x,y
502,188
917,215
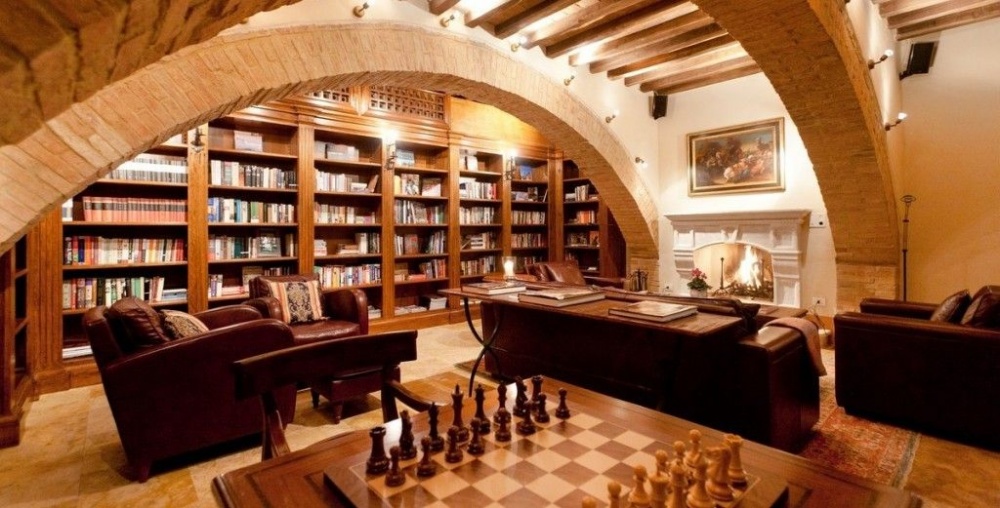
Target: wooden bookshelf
x,y
16,329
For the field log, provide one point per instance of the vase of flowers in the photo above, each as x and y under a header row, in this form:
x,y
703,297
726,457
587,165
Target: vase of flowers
x,y
698,285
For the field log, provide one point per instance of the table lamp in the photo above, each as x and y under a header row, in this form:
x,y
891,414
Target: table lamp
x,y
508,268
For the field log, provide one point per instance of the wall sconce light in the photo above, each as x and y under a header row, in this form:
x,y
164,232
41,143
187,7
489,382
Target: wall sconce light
x,y
197,144
511,169
389,138
447,21
521,41
885,56
641,162
899,119
569,80
614,114
359,10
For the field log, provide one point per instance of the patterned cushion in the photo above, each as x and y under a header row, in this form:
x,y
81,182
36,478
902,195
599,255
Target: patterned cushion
x,y
299,300
181,324
952,308
140,323
984,311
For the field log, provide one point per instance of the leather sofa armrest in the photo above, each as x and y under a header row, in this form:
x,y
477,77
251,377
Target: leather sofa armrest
x,y
228,315
615,282
899,308
347,305
268,306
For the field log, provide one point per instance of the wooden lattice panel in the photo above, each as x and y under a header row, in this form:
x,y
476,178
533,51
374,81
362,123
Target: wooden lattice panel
x,y
338,95
406,102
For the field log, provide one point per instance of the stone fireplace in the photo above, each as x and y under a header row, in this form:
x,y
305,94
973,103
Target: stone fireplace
x,y
748,255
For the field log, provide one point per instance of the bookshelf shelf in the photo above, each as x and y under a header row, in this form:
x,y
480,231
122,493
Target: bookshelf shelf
x,y
341,163
243,261
264,225
336,194
245,188
84,224
348,257
136,183
122,266
250,154
410,282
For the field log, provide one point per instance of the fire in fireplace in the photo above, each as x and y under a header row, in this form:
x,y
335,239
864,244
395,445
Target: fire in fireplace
x,y
740,270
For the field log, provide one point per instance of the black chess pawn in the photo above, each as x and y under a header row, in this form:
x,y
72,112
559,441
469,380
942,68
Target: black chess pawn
x,y
484,422
454,453
457,400
377,463
502,434
526,426
427,467
541,416
407,450
395,477
502,399
437,443
562,411
520,398
476,444
536,387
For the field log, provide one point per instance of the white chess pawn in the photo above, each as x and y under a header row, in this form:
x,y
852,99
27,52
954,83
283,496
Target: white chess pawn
x,y
694,453
662,463
639,498
737,476
588,502
678,485
697,495
718,473
614,494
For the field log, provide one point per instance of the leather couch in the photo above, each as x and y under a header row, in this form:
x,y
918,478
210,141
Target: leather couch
x,y
568,272
179,396
897,365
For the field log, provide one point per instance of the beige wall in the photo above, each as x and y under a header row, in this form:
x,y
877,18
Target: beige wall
x,y
952,165
735,102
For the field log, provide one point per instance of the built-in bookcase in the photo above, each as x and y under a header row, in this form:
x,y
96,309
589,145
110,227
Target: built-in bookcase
x,y
530,215
582,227
16,327
480,213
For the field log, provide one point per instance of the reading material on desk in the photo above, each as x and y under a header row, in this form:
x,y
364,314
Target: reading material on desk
x,y
493,288
654,311
561,297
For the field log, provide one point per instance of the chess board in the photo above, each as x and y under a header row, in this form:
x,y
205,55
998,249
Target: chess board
x,y
557,466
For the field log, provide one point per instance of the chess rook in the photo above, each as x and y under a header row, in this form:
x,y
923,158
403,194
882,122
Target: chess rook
x,y
737,476
536,387
377,463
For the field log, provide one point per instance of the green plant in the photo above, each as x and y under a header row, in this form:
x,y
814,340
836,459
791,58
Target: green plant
x,y
697,282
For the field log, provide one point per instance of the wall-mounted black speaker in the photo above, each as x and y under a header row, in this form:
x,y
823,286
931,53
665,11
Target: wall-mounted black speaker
x,y
921,58
659,106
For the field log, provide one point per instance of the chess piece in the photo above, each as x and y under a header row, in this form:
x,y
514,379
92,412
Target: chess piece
x,y
662,463
658,486
456,405
427,467
526,427
693,453
395,477
476,444
588,502
484,423
437,443
503,428
679,450
737,476
614,494
520,398
718,473
377,463
562,411
697,495
542,415
639,498
678,485
536,387
502,402
454,453
407,450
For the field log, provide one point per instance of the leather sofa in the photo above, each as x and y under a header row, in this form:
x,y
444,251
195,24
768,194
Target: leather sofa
x,y
895,364
568,272
179,396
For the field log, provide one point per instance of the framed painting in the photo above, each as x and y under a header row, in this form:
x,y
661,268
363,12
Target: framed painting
x,y
742,158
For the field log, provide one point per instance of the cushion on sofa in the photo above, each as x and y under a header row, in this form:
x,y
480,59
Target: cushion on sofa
x,y
984,311
952,308
141,324
299,300
180,325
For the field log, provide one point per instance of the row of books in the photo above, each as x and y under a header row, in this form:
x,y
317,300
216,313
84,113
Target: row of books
x,y
217,287
478,266
580,193
410,309
345,182
222,247
530,194
335,276
584,217
483,240
412,212
527,217
431,269
109,209
411,184
237,174
98,250
325,213
471,188
411,243
336,151
521,240
148,167
374,312
583,238
87,292
238,211
433,302
365,242
477,215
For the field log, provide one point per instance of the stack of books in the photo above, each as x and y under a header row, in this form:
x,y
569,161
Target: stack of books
x,y
561,297
493,288
654,311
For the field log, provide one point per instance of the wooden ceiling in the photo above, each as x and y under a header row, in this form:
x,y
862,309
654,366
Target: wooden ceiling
x,y
664,46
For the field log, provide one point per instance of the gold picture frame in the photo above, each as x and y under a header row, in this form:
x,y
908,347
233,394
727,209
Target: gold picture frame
x,y
741,158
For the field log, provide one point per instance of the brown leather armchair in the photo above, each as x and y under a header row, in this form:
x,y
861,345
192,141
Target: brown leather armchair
x,y
346,315
177,396
568,272
895,364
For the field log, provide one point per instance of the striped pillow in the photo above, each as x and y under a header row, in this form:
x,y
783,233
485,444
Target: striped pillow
x,y
299,300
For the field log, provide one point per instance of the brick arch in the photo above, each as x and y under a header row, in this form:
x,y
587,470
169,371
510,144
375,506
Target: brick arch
x,y
233,71
810,54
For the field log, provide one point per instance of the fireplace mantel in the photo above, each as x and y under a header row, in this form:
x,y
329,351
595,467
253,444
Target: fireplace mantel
x,y
780,232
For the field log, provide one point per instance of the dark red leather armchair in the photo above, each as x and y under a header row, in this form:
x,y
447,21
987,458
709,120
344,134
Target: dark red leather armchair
x,y
568,272
177,397
894,364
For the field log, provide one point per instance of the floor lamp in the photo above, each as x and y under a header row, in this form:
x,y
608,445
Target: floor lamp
x,y
907,200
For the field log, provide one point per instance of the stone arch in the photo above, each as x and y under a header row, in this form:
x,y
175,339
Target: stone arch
x,y
233,71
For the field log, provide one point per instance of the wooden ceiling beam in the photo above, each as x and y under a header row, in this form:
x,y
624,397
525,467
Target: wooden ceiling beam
x,y
641,19
583,19
650,36
702,81
703,59
480,18
660,80
951,21
894,7
520,21
438,7
938,10
668,54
